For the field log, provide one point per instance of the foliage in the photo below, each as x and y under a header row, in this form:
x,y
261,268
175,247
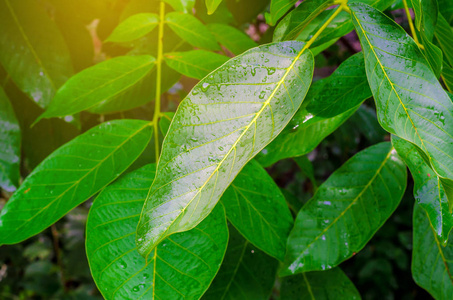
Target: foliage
x,y
266,180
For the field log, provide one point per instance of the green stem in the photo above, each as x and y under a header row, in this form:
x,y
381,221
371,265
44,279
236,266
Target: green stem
x,y
411,24
160,45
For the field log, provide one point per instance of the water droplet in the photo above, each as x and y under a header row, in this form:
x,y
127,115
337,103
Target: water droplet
x,y
205,86
262,94
221,148
270,71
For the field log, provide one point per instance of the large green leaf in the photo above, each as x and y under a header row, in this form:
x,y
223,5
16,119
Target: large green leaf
x,y
196,63
181,267
231,38
224,122
410,101
191,30
257,208
330,102
428,190
10,136
346,211
432,264
71,175
318,286
134,27
246,272
32,50
278,10
99,84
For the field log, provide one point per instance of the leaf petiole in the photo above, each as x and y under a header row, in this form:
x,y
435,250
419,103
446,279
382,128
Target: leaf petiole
x,y
411,25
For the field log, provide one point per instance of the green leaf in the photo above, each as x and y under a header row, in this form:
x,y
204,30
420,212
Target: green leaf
x,y
298,19
10,137
184,6
278,9
307,169
428,190
318,285
181,267
257,208
432,264
196,63
246,272
444,37
447,76
99,84
212,5
32,50
70,175
447,10
190,29
410,101
165,121
134,27
366,122
330,102
231,38
346,211
223,123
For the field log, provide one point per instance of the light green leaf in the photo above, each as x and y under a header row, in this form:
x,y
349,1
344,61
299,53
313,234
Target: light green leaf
x,y
346,211
410,101
10,137
278,10
212,5
223,123
330,102
231,38
432,264
319,286
184,6
257,208
246,272
428,190
190,29
134,27
99,84
70,175
32,50
196,63
181,267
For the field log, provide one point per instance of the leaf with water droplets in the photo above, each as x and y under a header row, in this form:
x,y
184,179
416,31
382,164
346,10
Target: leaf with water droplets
x,y
221,125
346,211
134,27
257,208
181,267
70,175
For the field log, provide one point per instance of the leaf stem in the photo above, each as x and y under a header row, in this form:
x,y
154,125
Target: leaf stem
x,y
411,24
158,79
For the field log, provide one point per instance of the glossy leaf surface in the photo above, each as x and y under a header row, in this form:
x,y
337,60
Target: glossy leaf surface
x,y
134,27
71,175
224,122
257,208
428,190
346,211
246,272
190,29
99,84
330,102
233,39
10,140
183,265
196,63
319,286
410,101
279,9
431,263
32,50
212,5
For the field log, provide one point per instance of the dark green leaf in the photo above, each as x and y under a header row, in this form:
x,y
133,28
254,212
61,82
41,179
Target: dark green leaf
x,y
257,208
330,102
447,76
444,37
428,190
366,122
134,27
71,175
190,29
223,123
196,63
246,272
10,136
231,38
318,286
278,10
32,50
212,5
99,84
306,167
432,264
346,211
181,267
